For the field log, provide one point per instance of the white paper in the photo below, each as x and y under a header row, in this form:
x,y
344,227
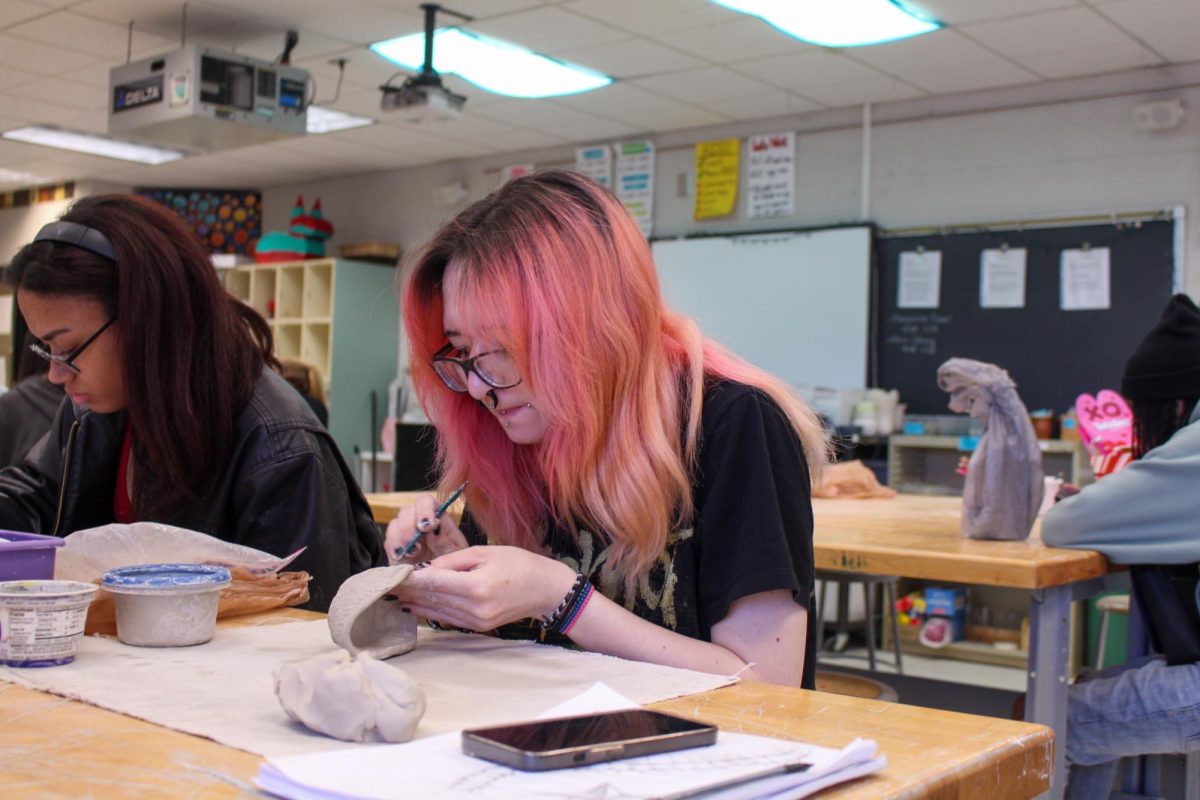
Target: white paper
x,y
6,313
771,175
1085,279
920,279
437,768
595,162
225,690
635,182
1002,278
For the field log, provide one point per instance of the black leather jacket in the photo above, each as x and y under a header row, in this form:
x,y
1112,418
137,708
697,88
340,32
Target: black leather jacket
x,y
285,487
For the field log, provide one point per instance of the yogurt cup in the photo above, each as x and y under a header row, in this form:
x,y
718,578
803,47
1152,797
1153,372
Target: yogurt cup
x,y
166,605
41,622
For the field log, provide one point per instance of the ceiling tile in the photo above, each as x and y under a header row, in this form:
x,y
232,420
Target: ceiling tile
x,y
536,114
94,75
702,85
41,58
971,77
943,61
579,132
549,30
738,40
654,17
619,97
670,116
480,9
771,104
1092,61
263,38
1054,31
14,11
35,111
10,77
960,12
855,93
1171,27
90,36
163,18
631,58
813,68
73,94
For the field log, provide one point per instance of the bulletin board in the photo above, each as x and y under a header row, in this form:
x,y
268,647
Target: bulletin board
x,y
1052,354
794,303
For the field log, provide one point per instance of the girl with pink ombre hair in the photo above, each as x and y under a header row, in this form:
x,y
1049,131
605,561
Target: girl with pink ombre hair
x,y
635,489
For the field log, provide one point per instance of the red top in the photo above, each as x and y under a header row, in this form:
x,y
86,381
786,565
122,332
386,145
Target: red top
x,y
122,505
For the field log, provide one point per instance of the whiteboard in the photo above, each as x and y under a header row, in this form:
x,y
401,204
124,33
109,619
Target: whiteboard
x,y
794,304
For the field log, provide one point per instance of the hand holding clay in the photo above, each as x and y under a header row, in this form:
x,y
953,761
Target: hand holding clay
x,y
353,698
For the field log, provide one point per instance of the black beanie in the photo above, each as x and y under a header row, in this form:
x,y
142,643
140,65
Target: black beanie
x,y
1166,365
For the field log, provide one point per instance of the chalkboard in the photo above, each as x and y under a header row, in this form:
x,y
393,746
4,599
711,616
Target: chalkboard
x,y
1052,354
793,303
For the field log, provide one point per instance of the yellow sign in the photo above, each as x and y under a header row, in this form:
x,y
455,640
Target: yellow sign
x,y
717,168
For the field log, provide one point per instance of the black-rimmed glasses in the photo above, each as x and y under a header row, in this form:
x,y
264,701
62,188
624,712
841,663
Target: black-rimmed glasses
x,y
496,368
68,359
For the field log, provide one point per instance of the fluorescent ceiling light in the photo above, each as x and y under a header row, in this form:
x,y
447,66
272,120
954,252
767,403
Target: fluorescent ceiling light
x,y
93,144
15,177
839,23
492,64
327,120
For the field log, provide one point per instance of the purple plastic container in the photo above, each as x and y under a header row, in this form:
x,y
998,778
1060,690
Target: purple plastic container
x,y
27,556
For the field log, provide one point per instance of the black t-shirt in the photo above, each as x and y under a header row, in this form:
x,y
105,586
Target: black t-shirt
x,y
752,530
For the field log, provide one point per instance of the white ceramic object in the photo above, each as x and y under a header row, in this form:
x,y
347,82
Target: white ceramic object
x,y
166,605
41,622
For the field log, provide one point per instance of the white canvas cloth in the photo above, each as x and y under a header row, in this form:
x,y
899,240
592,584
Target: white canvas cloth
x,y
224,690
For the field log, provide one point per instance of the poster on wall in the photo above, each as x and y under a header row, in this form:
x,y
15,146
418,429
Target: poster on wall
x,y
635,182
1084,279
1002,278
595,162
717,169
226,220
771,175
515,171
920,279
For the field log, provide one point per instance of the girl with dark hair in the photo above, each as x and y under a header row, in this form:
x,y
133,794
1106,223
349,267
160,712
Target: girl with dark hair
x,y
1145,516
175,414
635,489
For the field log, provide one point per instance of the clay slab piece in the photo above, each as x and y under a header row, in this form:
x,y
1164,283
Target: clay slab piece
x,y
361,621
352,698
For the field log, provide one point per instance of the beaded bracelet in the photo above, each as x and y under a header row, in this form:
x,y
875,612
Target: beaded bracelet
x,y
554,622
577,611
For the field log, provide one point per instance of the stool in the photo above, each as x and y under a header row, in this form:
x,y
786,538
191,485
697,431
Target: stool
x,y
1111,604
868,583
854,686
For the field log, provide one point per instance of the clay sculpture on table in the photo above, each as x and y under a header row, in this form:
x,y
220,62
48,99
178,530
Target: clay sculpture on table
x,y
351,694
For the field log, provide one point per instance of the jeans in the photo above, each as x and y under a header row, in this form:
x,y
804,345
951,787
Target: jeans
x,y
1139,708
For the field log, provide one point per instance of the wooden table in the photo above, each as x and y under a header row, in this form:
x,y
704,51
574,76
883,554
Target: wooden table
x,y
918,536
51,747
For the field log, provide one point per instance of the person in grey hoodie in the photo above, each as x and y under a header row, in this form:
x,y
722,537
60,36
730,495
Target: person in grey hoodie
x,y
27,410
1145,516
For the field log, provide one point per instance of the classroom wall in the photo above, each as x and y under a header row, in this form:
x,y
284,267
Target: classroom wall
x,y
952,163
19,225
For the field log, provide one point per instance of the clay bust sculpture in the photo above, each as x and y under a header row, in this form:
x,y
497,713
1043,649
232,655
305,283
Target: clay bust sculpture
x,y
351,694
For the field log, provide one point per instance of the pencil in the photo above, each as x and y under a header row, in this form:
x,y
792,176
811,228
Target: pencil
x,y
401,552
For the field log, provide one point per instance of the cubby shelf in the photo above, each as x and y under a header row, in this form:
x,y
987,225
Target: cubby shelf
x,y
339,316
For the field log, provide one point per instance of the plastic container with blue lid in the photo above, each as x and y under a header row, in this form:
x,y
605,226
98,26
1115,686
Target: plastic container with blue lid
x,y
166,605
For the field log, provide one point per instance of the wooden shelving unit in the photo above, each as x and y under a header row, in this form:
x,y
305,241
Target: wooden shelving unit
x,y
340,316
926,464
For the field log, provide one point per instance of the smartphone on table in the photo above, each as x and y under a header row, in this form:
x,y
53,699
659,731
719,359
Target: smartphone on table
x,y
587,739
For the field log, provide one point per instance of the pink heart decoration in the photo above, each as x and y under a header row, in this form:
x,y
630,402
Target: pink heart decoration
x,y
1105,421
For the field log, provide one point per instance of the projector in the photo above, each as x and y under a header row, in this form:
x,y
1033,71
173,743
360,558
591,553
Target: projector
x,y
206,99
422,102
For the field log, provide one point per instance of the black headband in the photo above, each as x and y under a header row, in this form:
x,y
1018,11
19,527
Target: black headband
x,y
78,235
